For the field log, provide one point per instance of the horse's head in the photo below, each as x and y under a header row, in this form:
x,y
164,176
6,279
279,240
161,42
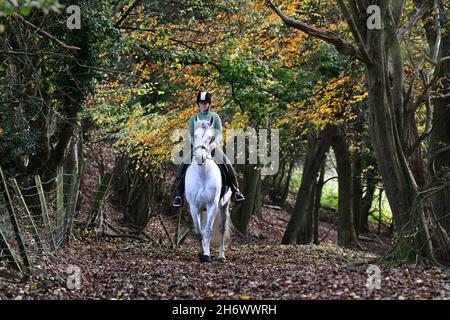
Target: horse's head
x,y
203,133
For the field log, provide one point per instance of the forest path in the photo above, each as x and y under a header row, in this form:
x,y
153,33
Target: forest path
x,y
129,269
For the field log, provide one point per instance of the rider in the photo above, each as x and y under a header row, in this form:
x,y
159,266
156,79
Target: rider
x,y
204,101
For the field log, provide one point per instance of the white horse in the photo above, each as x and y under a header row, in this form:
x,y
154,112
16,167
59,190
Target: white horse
x,y
203,184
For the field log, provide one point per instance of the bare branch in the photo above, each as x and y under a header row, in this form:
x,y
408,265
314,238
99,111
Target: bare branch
x,y
426,133
127,13
437,26
341,44
414,105
417,68
418,15
355,28
436,62
441,97
397,9
45,33
438,152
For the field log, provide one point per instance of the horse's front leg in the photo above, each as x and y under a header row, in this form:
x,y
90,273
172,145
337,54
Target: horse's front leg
x,y
207,231
195,214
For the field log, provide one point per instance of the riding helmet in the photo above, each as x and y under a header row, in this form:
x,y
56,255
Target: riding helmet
x,y
204,96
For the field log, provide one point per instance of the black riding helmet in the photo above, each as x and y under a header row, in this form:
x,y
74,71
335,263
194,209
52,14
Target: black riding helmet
x,y
204,96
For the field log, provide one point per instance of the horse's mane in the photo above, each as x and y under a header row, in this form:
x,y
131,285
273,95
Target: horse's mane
x,y
203,125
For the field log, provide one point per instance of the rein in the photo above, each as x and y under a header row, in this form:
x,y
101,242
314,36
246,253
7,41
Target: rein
x,y
208,152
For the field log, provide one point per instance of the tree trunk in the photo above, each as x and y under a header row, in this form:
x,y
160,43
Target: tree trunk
x,y
346,229
242,213
137,195
398,181
439,152
279,179
367,200
379,49
357,190
257,207
287,182
305,234
317,148
279,187
318,197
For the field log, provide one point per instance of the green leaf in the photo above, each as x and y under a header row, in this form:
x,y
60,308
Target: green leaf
x,y
25,11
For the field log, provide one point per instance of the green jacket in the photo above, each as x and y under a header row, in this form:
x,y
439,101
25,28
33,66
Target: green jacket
x,y
207,115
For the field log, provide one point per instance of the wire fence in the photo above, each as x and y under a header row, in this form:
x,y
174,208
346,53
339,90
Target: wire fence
x,y
36,218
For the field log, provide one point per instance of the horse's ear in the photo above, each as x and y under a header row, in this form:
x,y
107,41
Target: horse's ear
x,y
211,122
196,118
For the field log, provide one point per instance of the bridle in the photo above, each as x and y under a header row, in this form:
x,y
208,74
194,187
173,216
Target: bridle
x,y
202,146
208,152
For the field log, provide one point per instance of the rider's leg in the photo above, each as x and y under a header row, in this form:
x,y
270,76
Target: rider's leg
x,y
235,186
179,187
232,178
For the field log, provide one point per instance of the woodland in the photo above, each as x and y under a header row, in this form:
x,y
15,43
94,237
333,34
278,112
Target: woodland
x,y
92,94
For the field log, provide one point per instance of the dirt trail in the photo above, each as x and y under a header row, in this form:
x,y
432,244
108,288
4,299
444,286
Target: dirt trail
x,y
255,268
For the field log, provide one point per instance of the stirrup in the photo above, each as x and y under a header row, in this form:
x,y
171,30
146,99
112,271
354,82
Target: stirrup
x,y
177,201
238,196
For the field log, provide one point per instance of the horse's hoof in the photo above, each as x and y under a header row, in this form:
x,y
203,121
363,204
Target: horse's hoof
x,y
222,259
204,258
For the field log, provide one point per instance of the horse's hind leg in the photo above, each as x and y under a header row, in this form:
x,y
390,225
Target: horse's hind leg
x,y
223,228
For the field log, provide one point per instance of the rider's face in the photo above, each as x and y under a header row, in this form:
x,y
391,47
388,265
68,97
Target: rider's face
x,y
203,106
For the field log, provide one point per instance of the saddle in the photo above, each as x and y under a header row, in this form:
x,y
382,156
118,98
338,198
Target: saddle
x,y
225,182
224,174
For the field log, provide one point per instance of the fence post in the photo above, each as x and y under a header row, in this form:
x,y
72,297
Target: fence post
x,y
12,258
100,196
72,201
44,210
59,200
30,218
14,222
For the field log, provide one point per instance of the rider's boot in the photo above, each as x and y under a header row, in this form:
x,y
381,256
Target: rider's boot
x,y
238,196
179,189
178,199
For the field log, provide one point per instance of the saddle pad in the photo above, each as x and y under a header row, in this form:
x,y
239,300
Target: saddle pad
x,y
225,198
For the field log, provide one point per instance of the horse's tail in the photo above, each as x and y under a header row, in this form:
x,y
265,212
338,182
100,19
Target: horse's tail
x,y
215,237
